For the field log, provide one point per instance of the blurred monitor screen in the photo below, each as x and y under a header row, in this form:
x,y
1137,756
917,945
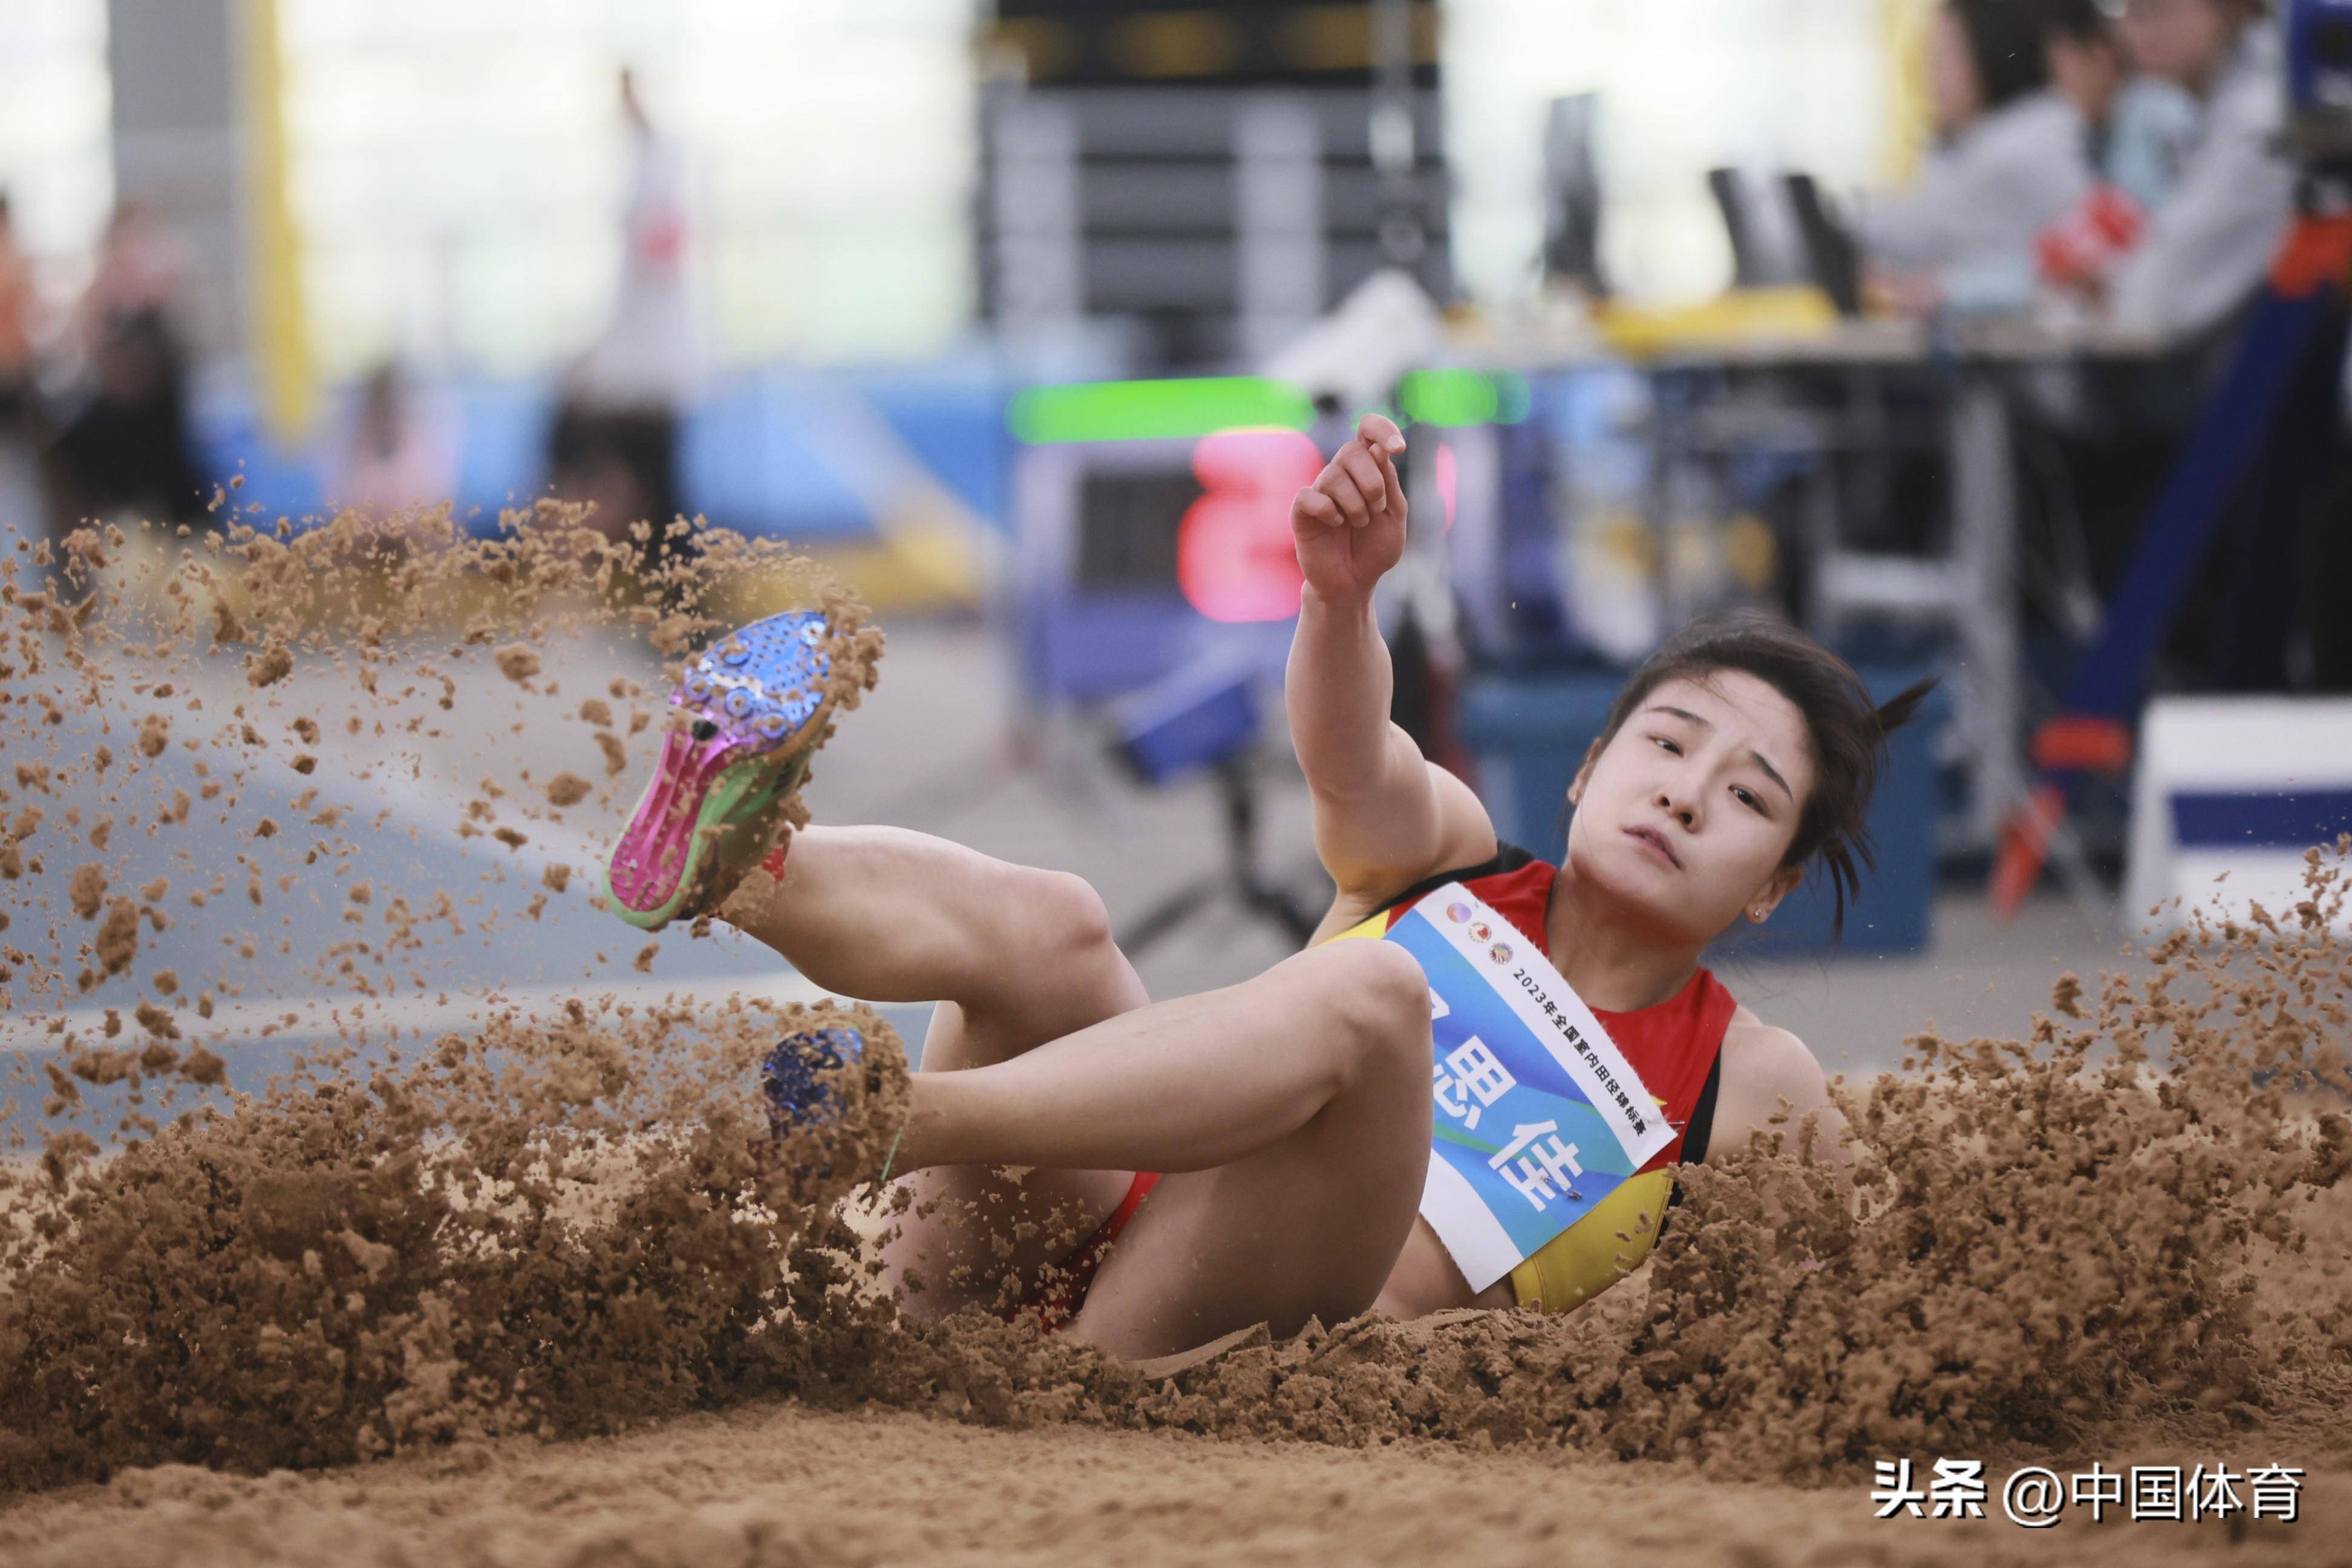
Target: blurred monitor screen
x,y
1128,524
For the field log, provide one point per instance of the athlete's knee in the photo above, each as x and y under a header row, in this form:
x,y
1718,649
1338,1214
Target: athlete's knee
x,y
1062,915
1051,929
1378,996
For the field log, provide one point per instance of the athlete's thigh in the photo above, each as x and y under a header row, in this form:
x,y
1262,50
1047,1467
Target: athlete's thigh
x,y
971,1227
1309,1227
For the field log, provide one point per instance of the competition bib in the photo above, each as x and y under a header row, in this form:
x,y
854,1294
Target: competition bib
x,y
1536,1117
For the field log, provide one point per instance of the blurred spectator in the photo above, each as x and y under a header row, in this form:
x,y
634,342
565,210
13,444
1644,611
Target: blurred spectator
x,y
141,267
2134,129
615,439
125,451
2207,248
20,489
125,448
16,303
647,355
2009,157
400,455
2136,126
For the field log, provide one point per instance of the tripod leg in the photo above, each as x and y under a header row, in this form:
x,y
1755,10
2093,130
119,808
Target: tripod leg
x,y
2175,542
1262,898
2173,545
2250,653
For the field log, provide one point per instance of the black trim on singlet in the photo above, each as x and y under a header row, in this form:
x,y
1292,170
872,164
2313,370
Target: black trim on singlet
x,y
1700,1129
1507,857
1698,1133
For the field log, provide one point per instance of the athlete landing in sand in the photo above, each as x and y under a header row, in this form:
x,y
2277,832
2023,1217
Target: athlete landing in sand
x,y
1291,1112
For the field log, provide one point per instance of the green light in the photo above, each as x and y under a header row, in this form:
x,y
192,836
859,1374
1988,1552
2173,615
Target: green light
x,y
1513,401
1155,410
1455,397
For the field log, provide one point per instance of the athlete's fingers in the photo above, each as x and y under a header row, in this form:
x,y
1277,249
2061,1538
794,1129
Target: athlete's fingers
x,y
1390,482
1336,483
1380,433
1358,460
1316,508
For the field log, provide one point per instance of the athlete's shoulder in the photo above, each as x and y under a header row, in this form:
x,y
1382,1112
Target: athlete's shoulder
x,y
1766,1071
1764,1051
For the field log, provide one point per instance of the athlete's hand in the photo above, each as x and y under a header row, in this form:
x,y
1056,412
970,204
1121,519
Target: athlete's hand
x,y
1350,523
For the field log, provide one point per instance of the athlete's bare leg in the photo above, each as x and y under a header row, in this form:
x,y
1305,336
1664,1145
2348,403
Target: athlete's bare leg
x,y
1293,1108
1014,956
1291,1111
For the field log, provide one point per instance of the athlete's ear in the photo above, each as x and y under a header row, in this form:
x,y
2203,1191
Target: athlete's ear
x,y
1781,883
1583,774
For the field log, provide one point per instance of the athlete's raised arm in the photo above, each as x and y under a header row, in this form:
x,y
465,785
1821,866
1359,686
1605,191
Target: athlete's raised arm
x,y
1384,816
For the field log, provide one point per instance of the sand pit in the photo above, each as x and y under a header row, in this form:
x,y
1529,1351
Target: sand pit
x,y
541,1289
779,1486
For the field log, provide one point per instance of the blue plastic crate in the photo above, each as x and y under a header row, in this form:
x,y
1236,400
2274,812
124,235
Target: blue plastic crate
x,y
1529,734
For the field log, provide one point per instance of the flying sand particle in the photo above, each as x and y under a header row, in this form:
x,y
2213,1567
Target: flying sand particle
x,y
518,662
117,936
567,788
269,665
88,890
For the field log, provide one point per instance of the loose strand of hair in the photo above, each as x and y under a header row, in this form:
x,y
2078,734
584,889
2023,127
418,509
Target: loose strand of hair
x,y
1904,706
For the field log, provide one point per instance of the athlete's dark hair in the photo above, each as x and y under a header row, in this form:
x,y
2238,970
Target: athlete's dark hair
x,y
1848,730
2005,46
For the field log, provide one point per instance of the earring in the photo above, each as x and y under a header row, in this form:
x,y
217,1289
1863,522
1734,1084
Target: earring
x,y
1758,915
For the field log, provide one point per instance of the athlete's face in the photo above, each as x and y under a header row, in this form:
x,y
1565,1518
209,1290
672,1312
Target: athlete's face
x,y
1685,814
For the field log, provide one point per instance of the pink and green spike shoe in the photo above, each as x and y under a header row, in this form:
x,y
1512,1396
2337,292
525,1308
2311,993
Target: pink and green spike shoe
x,y
756,706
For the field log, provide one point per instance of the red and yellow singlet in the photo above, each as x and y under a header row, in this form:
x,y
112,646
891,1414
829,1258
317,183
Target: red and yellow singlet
x,y
1675,1046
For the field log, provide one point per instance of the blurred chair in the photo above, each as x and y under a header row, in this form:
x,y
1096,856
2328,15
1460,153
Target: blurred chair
x,y
1206,717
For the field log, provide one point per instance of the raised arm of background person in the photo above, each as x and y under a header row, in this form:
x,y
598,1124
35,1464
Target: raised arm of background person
x,y
1384,816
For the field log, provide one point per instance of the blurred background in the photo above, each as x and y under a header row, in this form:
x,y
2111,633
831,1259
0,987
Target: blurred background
x,y
1998,337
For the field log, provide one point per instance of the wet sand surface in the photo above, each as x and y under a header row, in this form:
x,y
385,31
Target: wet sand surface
x,y
489,1256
